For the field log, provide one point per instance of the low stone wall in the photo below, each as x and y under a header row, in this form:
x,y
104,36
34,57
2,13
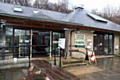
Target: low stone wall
x,y
14,63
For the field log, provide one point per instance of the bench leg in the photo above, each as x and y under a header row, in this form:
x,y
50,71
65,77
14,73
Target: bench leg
x,y
24,78
31,68
37,72
33,72
47,78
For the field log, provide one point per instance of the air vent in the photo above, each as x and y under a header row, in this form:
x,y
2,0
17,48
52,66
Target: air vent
x,y
81,7
36,11
97,17
18,9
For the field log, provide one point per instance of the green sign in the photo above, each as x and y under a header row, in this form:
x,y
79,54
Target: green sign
x,y
79,40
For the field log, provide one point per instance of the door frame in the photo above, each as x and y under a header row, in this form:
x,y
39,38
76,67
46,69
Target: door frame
x,y
101,44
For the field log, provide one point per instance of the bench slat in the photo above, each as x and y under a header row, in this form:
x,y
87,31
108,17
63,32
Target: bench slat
x,y
27,75
58,71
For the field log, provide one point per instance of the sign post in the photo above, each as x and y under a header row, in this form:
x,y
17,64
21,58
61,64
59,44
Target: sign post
x,y
61,44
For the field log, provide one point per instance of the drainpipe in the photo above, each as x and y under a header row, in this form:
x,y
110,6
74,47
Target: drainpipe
x,y
71,42
51,43
30,53
2,25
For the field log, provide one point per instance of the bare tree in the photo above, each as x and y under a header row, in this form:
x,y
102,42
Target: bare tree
x,y
23,2
60,6
40,4
18,2
94,11
7,1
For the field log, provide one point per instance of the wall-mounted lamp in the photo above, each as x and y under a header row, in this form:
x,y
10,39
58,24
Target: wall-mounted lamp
x,y
65,29
77,30
92,31
2,21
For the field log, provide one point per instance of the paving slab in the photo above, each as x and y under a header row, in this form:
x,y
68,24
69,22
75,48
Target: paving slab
x,y
106,69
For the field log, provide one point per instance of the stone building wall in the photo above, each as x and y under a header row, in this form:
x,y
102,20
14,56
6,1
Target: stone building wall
x,y
75,51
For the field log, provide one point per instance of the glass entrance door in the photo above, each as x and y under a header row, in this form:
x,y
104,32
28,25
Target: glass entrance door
x,y
21,42
45,43
103,44
40,43
56,36
98,44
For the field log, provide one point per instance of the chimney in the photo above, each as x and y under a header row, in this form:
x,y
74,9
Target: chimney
x,y
81,7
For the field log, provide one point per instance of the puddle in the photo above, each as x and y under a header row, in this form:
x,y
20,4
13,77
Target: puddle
x,y
112,64
11,74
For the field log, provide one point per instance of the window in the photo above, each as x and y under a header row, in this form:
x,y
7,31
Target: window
x,y
97,18
103,44
18,9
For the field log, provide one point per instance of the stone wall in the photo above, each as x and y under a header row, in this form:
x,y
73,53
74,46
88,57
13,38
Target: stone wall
x,y
14,63
76,53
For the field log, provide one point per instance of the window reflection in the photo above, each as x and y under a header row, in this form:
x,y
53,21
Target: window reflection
x,y
106,40
110,40
103,44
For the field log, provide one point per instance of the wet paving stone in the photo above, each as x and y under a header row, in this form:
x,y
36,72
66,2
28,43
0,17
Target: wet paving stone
x,y
106,69
11,74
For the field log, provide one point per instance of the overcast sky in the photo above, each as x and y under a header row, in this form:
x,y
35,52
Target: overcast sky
x,y
94,4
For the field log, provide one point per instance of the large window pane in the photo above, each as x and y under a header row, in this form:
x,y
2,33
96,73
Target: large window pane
x,y
56,36
110,40
103,44
9,36
101,50
106,50
101,40
95,43
106,40
110,50
0,39
21,39
0,36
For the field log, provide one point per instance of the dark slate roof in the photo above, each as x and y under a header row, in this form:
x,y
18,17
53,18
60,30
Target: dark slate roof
x,y
28,12
77,17
81,16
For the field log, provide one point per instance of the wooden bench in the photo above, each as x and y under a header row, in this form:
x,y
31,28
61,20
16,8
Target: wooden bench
x,y
51,72
27,75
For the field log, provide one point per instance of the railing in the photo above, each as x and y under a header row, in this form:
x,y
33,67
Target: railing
x,y
64,53
24,50
59,54
15,52
85,53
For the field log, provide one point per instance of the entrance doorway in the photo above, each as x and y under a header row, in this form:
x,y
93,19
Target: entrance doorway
x,y
40,43
17,43
45,43
103,44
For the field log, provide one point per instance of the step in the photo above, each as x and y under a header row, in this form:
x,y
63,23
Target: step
x,y
70,62
74,64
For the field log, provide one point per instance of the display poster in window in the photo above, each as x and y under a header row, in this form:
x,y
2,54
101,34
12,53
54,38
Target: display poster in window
x,y
61,43
79,41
